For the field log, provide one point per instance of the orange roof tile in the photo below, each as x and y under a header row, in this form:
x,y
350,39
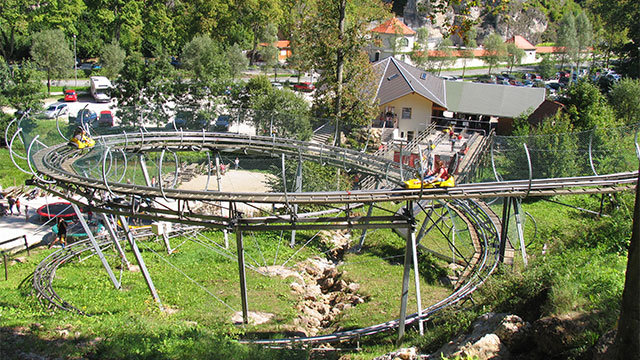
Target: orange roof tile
x,y
393,26
521,42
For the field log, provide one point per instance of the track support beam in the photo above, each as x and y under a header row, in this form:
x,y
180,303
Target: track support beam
x,y
96,247
143,266
243,276
109,224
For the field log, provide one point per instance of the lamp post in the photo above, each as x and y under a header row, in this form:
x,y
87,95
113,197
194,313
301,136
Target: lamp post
x,y
75,61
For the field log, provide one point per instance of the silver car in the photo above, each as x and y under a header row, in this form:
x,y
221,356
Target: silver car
x,y
55,110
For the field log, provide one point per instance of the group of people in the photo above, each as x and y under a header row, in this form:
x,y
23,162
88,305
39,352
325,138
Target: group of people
x,y
11,202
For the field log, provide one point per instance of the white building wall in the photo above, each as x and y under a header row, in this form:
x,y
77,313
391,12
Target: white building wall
x,y
420,116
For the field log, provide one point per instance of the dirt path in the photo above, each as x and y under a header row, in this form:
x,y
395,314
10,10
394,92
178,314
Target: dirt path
x,y
231,181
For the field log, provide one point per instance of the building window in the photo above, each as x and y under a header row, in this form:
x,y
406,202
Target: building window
x,y
376,56
410,135
404,42
406,113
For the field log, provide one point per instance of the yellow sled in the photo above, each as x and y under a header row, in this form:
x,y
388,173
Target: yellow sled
x,y
417,183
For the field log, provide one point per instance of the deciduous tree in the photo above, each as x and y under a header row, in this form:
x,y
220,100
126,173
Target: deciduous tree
x,y
51,52
420,52
334,38
112,59
624,97
514,55
205,59
495,50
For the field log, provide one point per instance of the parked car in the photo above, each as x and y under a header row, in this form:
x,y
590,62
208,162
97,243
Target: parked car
x,y
277,85
222,123
86,116
70,95
55,110
105,119
304,86
527,83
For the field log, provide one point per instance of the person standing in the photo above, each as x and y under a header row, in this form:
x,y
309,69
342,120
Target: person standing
x,y
62,233
11,201
26,212
237,162
18,205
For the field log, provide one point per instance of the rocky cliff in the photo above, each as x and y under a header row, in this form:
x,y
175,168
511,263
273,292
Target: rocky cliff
x,y
514,19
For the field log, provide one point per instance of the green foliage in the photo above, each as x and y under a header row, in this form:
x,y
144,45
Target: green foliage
x,y
446,326
22,88
514,55
496,50
238,62
340,50
283,111
51,52
624,97
205,59
550,147
546,67
112,59
587,107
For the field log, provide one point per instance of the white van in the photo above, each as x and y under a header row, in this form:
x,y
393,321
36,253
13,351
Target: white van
x,y
100,88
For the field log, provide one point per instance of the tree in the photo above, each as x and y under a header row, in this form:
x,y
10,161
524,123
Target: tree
x,y
284,111
51,52
588,108
420,52
495,50
259,16
584,36
14,25
238,62
627,341
567,39
337,48
514,55
204,58
445,54
624,97
112,59
269,52
546,67
468,52
22,87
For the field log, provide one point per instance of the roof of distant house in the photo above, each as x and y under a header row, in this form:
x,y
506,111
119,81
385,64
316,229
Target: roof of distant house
x,y
491,99
521,42
280,44
396,79
393,26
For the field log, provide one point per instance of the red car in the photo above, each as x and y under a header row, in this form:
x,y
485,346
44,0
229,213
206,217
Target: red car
x,y
105,119
304,86
70,95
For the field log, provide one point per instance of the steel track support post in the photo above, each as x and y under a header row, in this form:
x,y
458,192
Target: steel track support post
x,y
517,213
145,171
411,238
95,245
369,212
165,239
108,223
506,207
404,296
141,264
224,231
295,206
243,276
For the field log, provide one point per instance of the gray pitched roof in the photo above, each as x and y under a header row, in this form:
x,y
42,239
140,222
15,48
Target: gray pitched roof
x,y
397,79
492,99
